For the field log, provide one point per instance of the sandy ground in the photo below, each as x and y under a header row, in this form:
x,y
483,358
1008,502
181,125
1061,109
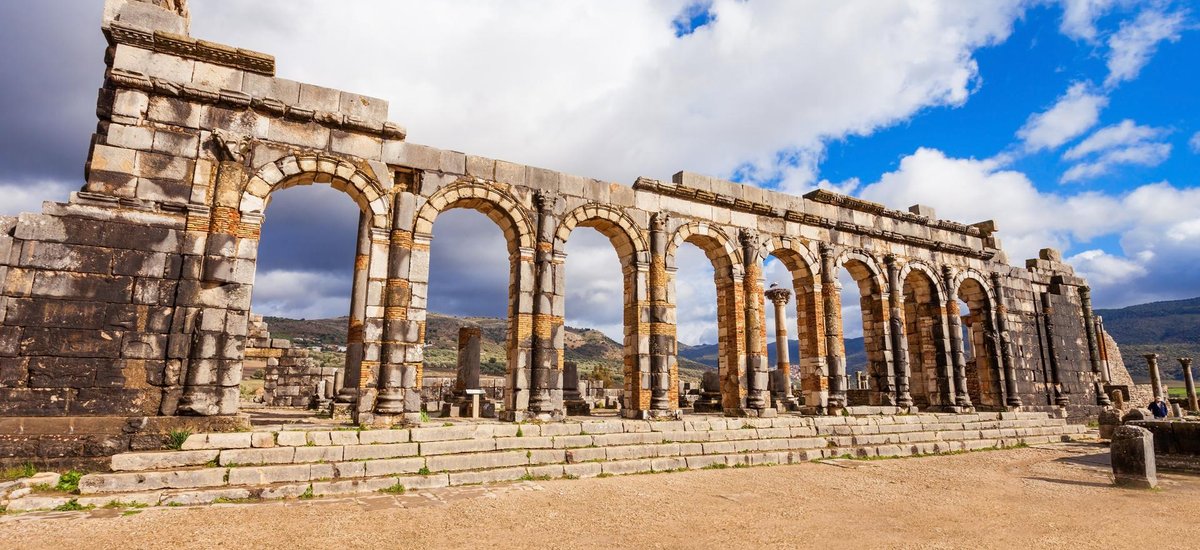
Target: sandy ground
x,y
1048,497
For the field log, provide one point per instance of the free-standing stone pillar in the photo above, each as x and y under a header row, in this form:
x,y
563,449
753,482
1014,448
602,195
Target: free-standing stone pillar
x,y
1186,364
546,397
662,326
757,394
900,364
1060,398
834,346
358,307
572,398
954,327
1013,399
1155,376
467,377
1085,298
1132,452
1103,344
779,298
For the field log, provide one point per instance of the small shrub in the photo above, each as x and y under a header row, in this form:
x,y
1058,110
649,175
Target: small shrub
x,y
570,476
17,472
69,482
716,466
307,494
128,513
176,438
604,474
72,506
42,488
531,477
397,489
741,465
447,424
423,471
424,416
520,433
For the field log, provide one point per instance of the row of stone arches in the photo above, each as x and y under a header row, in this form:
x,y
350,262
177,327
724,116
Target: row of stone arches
x,y
911,346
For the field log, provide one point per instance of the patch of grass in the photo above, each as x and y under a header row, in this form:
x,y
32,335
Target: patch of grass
x,y
72,506
424,416
176,438
17,472
174,504
69,482
128,513
604,474
227,500
741,465
307,494
716,466
424,471
570,476
42,488
397,489
531,477
121,504
447,424
520,432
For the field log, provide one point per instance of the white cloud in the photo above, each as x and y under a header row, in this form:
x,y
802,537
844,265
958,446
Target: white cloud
x,y
1144,154
1104,269
1126,133
1072,115
300,294
1194,143
610,91
1132,46
1079,17
29,196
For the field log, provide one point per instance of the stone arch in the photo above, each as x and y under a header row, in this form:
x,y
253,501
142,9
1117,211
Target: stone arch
x,y
872,289
487,199
728,275
922,308
809,314
983,378
633,251
507,212
308,169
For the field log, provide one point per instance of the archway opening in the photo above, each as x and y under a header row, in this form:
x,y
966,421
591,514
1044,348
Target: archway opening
x,y
700,348
926,340
599,341
865,341
979,345
792,294
296,344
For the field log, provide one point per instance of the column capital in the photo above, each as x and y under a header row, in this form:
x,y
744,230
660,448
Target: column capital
x,y
778,295
1186,362
1150,356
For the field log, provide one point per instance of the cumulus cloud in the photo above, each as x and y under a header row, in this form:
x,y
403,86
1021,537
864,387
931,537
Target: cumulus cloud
x,y
1126,133
1194,143
1073,114
1123,143
1079,17
29,196
301,294
1132,46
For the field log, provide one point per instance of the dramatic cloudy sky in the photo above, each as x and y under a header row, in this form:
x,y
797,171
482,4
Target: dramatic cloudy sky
x,y
1073,123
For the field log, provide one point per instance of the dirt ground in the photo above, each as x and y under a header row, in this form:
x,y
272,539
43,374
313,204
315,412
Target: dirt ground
x,y
1046,497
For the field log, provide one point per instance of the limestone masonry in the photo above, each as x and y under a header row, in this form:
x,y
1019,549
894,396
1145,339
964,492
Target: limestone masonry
x,y
132,299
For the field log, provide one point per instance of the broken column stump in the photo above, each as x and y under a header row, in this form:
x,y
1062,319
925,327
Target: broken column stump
x,y
1132,454
574,401
460,401
1109,420
710,394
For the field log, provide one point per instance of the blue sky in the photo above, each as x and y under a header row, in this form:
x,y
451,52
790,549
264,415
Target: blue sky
x,y
1072,123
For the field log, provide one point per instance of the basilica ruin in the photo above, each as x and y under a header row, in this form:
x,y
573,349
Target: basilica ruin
x,y
132,300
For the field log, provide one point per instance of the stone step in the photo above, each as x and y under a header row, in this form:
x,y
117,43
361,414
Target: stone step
x,y
168,490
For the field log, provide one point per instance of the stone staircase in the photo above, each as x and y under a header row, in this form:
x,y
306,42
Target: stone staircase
x,y
221,467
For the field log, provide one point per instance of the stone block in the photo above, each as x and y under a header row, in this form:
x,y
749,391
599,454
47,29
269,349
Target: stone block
x,y
191,498
274,455
349,469
290,490
432,481
546,456
31,503
263,475
148,481
162,460
487,476
331,453
403,153
586,454
375,468
262,439
1132,453
504,443
318,98
352,486
476,461
149,498
382,450
569,441
586,469
457,446
603,427
627,467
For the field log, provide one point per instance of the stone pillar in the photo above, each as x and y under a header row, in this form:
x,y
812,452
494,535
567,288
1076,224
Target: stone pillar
x,y
834,346
546,395
1060,398
1103,344
954,327
573,400
662,327
1186,364
1155,377
402,354
358,305
1012,397
1089,324
779,297
757,395
900,364
468,360
1132,452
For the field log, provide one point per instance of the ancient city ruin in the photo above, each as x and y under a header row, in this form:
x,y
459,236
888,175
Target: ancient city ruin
x,y
132,299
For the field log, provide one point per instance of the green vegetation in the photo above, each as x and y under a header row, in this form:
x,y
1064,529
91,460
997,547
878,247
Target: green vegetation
x,y
176,439
423,471
73,506
307,494
397,489
69,482
716,466
227,500
531,477
604,474
17,472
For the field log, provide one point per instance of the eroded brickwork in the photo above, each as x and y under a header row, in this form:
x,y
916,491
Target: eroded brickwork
x,y
133,298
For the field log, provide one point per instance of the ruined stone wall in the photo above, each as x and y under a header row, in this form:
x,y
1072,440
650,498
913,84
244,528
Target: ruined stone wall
x,y
133,298
291,376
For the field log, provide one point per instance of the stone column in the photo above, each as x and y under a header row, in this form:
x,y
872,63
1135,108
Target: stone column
x,y
358,306
573,400
546,397
1155,377
962,397
834,346
1013,399
757,394
1060,398
1089,324
1186,364
900,364
1103,344
468,360
779,297
662,329
402,354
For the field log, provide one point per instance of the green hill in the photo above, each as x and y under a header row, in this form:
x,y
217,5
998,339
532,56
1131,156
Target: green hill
x,y
1170,329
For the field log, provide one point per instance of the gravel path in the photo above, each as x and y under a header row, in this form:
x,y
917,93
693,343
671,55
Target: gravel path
x,y
1047,497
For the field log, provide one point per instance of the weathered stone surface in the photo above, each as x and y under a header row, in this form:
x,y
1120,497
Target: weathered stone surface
x,y
145,481
1132,451
162,460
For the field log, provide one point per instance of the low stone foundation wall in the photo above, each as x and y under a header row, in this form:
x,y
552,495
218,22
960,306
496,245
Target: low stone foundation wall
x,y
1176,443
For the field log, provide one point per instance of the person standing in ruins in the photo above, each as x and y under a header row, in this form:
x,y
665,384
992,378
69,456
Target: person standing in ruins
x,y
1158,408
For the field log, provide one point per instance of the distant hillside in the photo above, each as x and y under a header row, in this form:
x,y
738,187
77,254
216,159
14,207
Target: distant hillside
x,y
587,347
1170,329
706,354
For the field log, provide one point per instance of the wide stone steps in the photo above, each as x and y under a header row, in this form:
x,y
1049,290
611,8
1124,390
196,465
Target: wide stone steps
x,y
285,464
